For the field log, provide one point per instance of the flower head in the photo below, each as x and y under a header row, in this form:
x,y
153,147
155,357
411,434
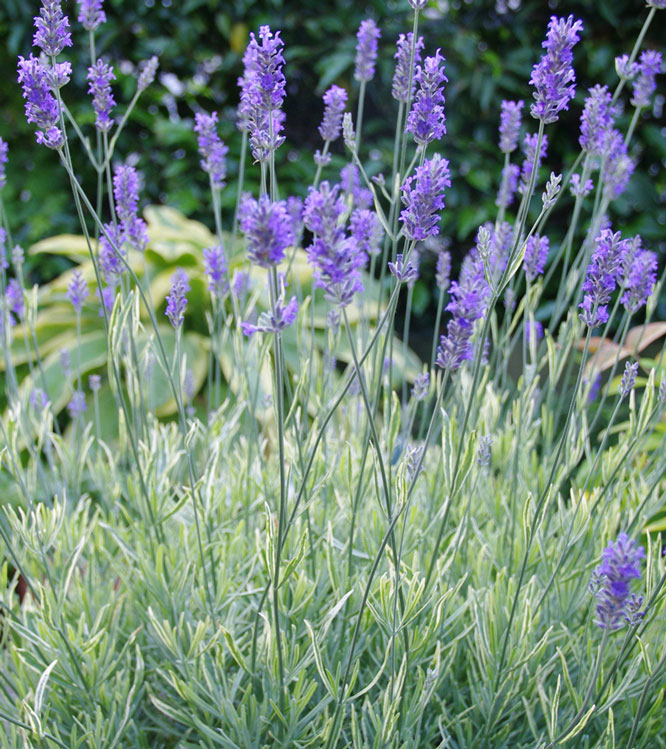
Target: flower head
x,y
596,119
91,16
52,25
536,254
628,379
41,107
100,76
423,198
335,100
426,119
268,229
4,148
14,296
276,320
508,186
529,146
77,405
618,165
403,72
405,272
601,277
553,77
95,382
350,182
640,279
366,230
147,73
421,386
366,50
126,194
215,264
510,125
611,583
649,65
443,270
77,290
211,149
177,298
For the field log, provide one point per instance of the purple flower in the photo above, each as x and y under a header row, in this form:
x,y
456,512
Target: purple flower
x,y
366,50
596,120
553,77
14,296
418,4
91,16
618,165
640,279
510,125
624,68
241,284
443,270
77,290
337,259
426,119
94,383
421,386
41,107
215,264
611,583
321,159
262,93
100,76
52,26
529,149
595,387
601,277
536,254
350,182
126,193
404,272
268,229
366,230
533,329
508,186
578,189
403,72
469,298
628,379
423,198
107,298
77,406
273,322
484,452
110,258
656,3
38,400
147,73
649,66
4,148
335,100
211,149
177,298
65,362
295,211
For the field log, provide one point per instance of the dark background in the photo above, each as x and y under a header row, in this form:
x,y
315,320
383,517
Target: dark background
x,y
489,49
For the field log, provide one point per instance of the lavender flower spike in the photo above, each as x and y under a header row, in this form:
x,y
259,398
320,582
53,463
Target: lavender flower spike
x,y
126,194
509,128
77,291
212,150
628,379
268,228
400,87
404,272
423,198
640,279
611,583
77,405
529,149
91,16
649,65
553,77
177,298
421,386
147,73
418,4
282,317
335,100
443,270
426,119
215,264
4,149
41,107
601,278
100,76
596,119
52,26
366,50
536,254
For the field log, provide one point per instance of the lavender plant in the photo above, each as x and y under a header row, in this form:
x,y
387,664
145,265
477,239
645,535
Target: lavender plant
x,y
332,547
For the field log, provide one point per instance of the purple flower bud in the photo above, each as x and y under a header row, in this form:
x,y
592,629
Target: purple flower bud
x,y
366,230
77,290
177,298
578,189
618,166
126,193
426,119
52,26
77,406
421,386
649,66
95,383
484,451
107,298
529,149
14,296
640,279
38,400
404,272
147,73
110,254
596,120
41,107
611,582
536,254
211,149
553,77
443,270
335,100
508,186
321,159
624,68
350,182
91,16
4,148
510,125
272,322
423,198
601,277
400,87
268,229
366,50
418,4
100,76
628,379
215,264
65,362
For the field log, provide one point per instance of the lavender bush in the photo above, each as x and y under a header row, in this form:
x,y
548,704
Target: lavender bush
x,y
301,555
